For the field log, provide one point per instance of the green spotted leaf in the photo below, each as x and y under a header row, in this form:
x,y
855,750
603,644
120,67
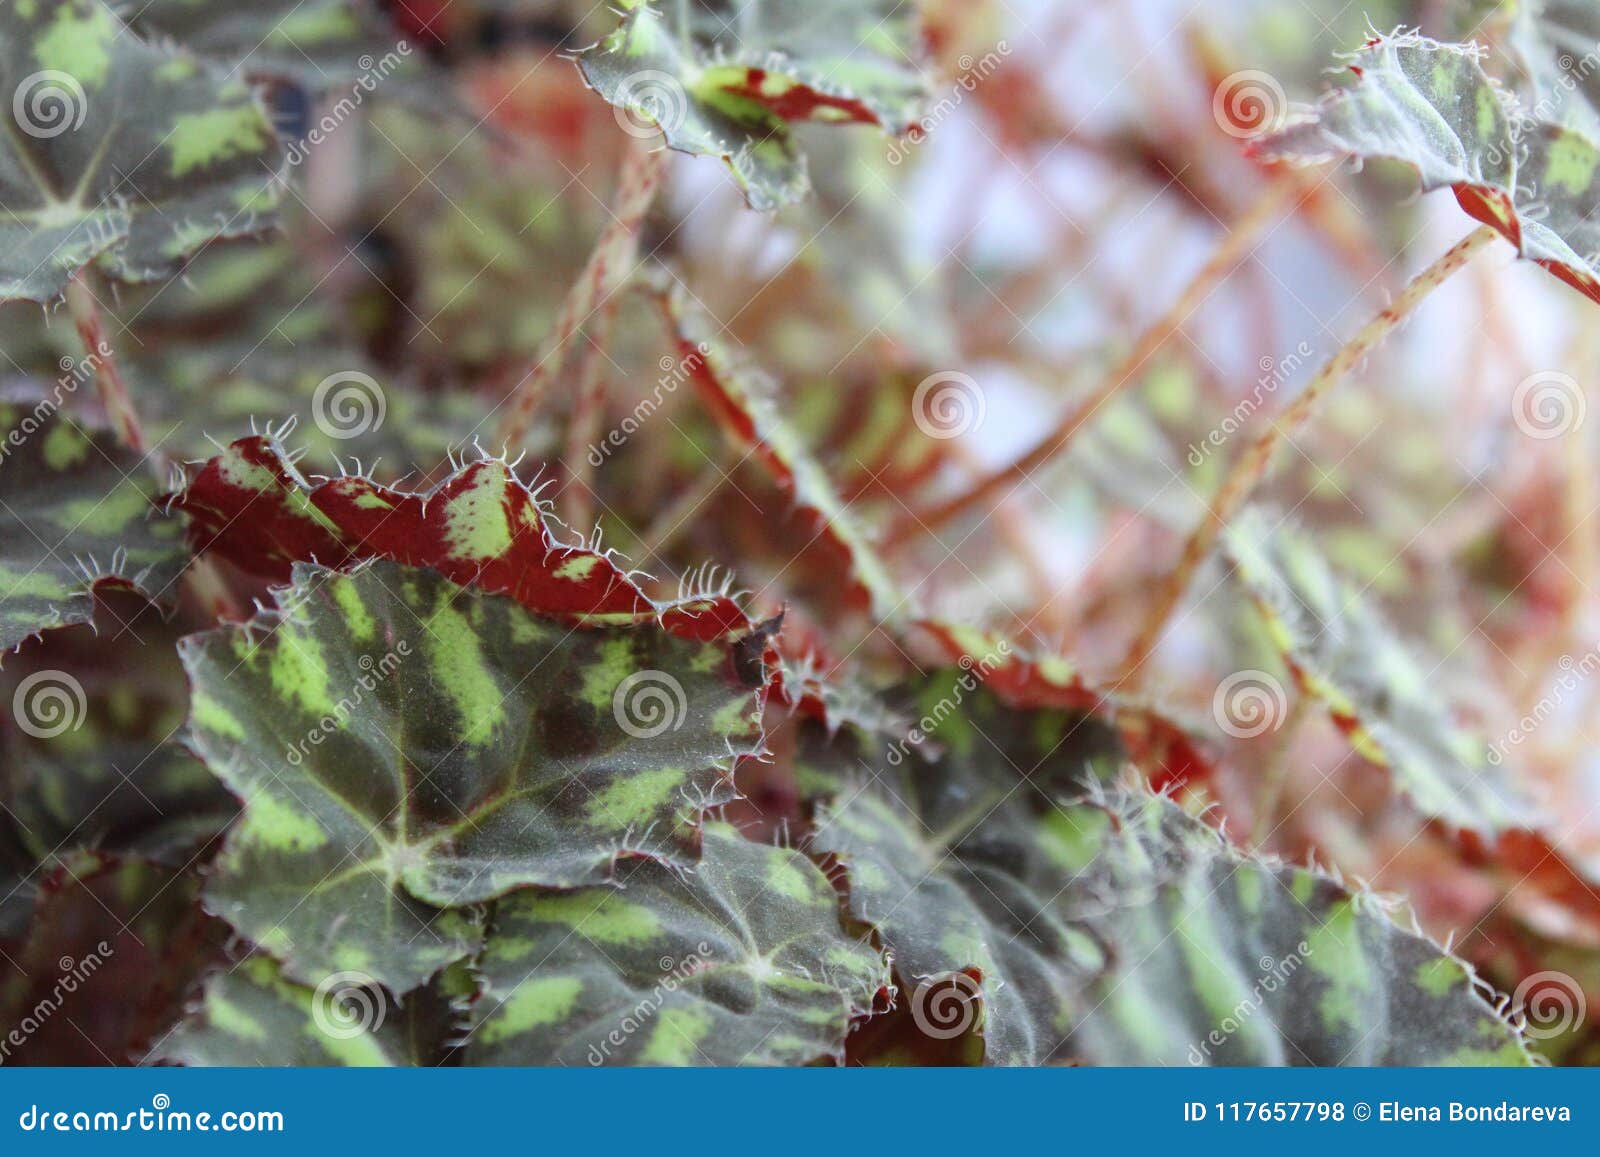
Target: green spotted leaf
x,y
1432,107
406,748
76,511
250,1015
121,154
1035,915
1344,654
724,79
316,43
742,961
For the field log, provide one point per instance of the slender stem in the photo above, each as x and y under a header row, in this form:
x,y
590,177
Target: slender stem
x,y
608,267
1276,777
588,409
202,577
1233,249
1248,472
108,383
660,533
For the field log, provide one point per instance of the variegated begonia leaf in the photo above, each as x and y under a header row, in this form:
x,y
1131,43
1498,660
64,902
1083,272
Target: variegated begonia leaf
x,y
750,417
315,43
1348,657
89,751
481,527
76,510
119,153
250,1014
1034,917
404,748
1432,107
724,79
110,951
742,961
1556,41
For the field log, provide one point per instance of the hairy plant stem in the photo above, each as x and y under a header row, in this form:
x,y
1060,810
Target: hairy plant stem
x,y
108,383
1252,466
608,267
1235,247
583,428
202,577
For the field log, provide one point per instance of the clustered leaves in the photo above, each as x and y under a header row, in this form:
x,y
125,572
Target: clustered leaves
x,y
393,767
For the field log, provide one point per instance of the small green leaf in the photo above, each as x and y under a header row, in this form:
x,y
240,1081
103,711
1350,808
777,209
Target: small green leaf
x,y
76,510
315,43
743,961
123,154
725,79
1432,107
1343,653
